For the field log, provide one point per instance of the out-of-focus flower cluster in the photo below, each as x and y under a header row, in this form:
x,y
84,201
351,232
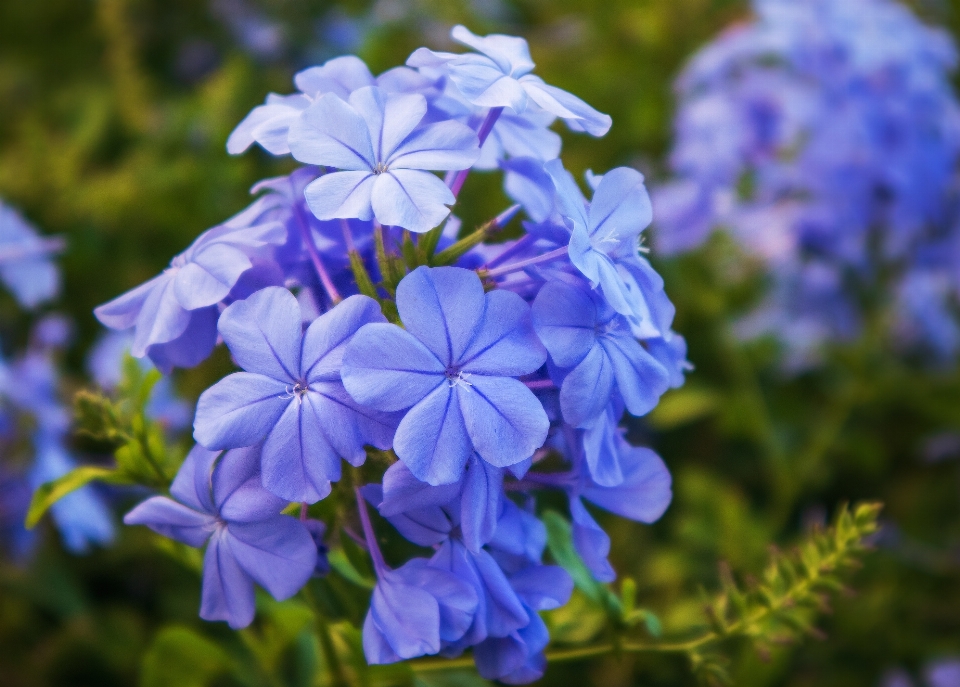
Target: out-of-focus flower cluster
x,y
477,371
824,136
34,423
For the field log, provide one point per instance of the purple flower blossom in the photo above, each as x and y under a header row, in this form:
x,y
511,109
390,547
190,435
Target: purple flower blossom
x,y
381,152
221,503
453,367
290,395
595,348
174,314
500,77
25,265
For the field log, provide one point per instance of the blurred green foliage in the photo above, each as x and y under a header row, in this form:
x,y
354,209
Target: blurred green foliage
x,y
113,120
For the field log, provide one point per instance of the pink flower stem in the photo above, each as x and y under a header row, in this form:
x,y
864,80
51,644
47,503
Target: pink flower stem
x,y
368,534
517,246
540,384
513,267
493,114
307,236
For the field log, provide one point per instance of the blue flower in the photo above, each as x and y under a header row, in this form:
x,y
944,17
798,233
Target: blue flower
x,y
25,265
81,517
475,503
500,77
415,608
606,231
290,395
453,367
174,315
376,141
824,138
643,496
221,503
595,348
268,124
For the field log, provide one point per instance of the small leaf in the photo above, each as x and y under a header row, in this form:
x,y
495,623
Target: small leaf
x,y
49,493
339,562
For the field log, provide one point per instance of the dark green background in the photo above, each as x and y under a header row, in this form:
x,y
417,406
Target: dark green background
x,y
109,137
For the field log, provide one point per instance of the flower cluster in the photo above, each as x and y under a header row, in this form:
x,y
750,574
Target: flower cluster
x,y
30,403
477,371
824,137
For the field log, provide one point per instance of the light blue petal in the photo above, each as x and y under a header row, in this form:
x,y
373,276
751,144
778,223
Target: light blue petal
x,y
341,76
388,369
645,491
192,485
263,333
569,197
585,392
122,312
446,145
298,461
566,106
279,553
591,542
432,439
227,592
390,117
161,318
342,195
239,410
411,199
444,308
641,380
505,420
402,492
332,133
506,343
511,54
480,503
565,319
527,183
325,340
238,488
620,209
173,520
210,276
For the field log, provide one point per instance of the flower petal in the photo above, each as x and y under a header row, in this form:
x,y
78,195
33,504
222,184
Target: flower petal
x,y
173,520
279,553
566,106
641,380
585,392
506,343
239,410
445,145
332,133
432,439
298,461
388,369
341,195
505,420
411,199
227,592
443,307
565,318
263,333
325,340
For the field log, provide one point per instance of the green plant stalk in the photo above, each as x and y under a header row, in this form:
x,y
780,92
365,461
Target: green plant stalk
x,y
802,587
338,677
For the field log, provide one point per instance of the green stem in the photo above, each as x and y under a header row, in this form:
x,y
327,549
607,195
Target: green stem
x,y
338,678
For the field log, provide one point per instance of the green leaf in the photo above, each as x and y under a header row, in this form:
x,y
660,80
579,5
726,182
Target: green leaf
x,y
179,656
49,493
560,543
339,562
